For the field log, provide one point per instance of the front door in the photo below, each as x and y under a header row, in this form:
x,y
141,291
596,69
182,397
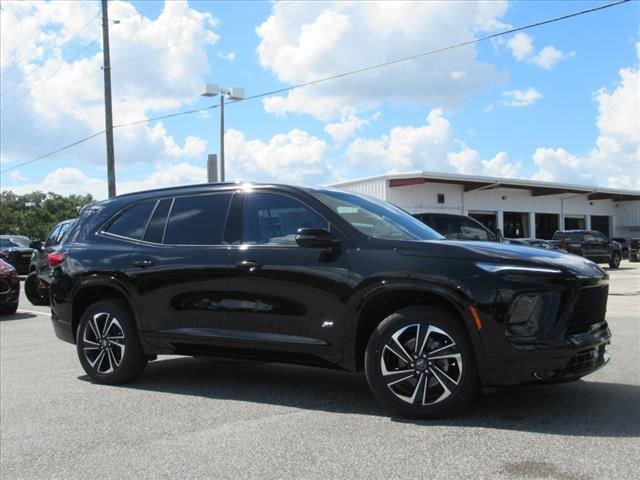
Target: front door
x,y
285,298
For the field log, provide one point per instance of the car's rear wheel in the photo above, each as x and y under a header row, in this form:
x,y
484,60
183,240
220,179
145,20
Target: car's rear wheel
x,y
419,363
32,290
108,345
614,261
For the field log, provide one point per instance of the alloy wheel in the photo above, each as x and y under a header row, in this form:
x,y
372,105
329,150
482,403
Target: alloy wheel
x,y
103,343
421,364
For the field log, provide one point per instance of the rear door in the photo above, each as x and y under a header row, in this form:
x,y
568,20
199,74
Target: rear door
x,y
180,268
285,298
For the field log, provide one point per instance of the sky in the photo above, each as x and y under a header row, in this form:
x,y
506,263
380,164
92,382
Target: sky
x,y
560,102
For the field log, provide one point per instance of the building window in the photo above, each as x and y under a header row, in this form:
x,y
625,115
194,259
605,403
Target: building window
x,y
441,198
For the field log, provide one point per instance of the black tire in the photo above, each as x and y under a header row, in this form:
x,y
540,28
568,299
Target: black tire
x,y
8,308
32,291
614,261
120,346
377,355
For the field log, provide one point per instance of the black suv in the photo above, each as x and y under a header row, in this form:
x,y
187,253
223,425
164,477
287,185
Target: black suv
x,y
36,286
589,244
457,227
325,278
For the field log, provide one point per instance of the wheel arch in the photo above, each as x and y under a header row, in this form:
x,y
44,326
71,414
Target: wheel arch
x,y
381,302
96,290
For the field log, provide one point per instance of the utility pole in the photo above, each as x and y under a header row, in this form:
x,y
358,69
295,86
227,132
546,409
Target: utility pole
x,y
108,112
222,138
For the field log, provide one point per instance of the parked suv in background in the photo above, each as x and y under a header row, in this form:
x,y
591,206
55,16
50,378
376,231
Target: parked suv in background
x,y
36,286
16,250
457,227
590,244
327,278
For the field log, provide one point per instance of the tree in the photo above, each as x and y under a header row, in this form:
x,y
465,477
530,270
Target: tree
x,y
35,214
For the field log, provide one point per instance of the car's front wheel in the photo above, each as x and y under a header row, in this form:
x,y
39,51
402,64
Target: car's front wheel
x,y
614,261
32,290
419,363
108,345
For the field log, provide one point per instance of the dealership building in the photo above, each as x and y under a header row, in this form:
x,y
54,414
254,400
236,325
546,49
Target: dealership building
x,y
519,208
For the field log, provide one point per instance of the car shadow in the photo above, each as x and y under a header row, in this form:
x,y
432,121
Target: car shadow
x,y
17,316
582,408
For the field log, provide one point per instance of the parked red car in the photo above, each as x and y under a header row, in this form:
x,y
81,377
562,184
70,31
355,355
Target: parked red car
x,y
9,289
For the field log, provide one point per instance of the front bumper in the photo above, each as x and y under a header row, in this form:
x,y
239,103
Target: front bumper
x,y
9,290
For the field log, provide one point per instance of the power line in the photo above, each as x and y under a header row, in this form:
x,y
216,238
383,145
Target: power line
x,y
340,75
28,54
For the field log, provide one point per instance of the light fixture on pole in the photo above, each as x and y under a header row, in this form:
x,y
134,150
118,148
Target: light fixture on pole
x,y
235,93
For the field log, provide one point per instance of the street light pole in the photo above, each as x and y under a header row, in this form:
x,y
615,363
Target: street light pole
x,y
222,138
211,90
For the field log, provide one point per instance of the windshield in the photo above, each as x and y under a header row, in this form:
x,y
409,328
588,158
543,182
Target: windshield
x,y
376,218
13,243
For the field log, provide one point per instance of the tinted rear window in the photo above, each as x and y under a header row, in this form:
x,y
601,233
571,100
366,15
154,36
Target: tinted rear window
x,y
132,222
197,220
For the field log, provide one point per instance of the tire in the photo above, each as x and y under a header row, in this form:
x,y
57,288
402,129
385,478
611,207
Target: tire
x,y
122,357
458,366
614,261
32,291
8,308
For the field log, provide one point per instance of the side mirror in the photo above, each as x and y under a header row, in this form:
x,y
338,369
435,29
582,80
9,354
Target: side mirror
x,y
316,238
36,245
498,233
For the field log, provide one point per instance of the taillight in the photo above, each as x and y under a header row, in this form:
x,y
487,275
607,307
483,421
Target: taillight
x,y
55,259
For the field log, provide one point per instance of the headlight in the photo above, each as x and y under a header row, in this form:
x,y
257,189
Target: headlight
x,y
501,267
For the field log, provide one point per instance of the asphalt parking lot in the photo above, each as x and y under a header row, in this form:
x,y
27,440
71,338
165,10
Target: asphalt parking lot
x,y
196,418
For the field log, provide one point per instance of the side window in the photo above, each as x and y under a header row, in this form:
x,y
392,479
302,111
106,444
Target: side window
x,y
198,220
450,227
155,230
273,219
64,229
132,222
51,239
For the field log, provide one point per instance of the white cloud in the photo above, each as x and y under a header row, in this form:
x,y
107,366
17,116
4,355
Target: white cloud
x,y
231,56
469,161
16,176
69,105
522,48
615,157
427,147
549,56
348,125
295,157
488,108
303,41
521,98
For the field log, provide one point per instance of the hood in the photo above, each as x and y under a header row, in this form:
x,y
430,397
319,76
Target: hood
x,y
505,253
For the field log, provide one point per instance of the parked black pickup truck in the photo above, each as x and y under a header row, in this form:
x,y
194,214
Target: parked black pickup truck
x,y
590,244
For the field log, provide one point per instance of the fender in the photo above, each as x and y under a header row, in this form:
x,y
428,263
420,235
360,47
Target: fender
x,y
113,282
363,294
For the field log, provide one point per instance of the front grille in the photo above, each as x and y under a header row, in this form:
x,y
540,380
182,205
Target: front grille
x,y
590,308
587,360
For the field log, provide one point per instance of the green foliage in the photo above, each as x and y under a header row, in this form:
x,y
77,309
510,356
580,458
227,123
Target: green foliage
x,y
42,214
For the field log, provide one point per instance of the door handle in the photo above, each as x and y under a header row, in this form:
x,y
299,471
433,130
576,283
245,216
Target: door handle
x,y
144,263
249,265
